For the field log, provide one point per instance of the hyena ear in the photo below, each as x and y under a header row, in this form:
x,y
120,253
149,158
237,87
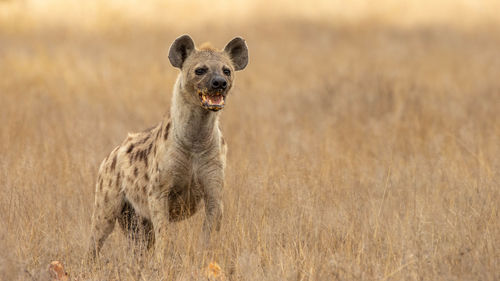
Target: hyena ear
x,y
180,50
238,52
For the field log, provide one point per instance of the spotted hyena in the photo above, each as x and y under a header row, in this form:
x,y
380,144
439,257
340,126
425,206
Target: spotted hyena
x,y
162,174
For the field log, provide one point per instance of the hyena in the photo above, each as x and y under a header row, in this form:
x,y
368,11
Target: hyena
x,y
162,174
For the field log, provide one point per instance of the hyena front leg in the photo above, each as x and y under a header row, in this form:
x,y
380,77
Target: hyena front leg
x,y
159,210
107,207
212,182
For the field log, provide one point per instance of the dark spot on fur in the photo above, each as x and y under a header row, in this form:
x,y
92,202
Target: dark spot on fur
x,y
130,148
110,182
130,180
146,176
136,171
113,164
142,155
165,136
150,193
118,177
223,141
106,199
144,189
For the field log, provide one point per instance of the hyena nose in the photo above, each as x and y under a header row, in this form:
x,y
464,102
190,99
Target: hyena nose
x,y
218,83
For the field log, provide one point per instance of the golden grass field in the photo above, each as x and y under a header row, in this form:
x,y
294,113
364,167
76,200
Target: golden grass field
x,y
364,139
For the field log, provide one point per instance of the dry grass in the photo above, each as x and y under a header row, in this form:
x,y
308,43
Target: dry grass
x,y
358,149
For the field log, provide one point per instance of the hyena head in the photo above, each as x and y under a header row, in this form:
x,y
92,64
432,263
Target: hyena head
x,y
206,73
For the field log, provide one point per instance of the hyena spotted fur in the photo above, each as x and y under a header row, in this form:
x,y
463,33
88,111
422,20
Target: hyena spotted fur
x,y
162,174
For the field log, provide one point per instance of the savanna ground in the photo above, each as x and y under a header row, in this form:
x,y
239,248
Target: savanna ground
x,y
364,139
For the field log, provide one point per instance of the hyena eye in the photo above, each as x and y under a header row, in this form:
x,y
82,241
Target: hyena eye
x,y
200,71
226,71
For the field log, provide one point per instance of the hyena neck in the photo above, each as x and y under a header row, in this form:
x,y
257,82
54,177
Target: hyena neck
x,y
193,127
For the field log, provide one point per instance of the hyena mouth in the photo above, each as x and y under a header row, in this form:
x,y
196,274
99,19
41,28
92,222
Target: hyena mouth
x,y
211,101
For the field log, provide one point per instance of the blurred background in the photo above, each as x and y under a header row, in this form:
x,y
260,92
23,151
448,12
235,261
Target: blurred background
x,y
102,14
363,135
